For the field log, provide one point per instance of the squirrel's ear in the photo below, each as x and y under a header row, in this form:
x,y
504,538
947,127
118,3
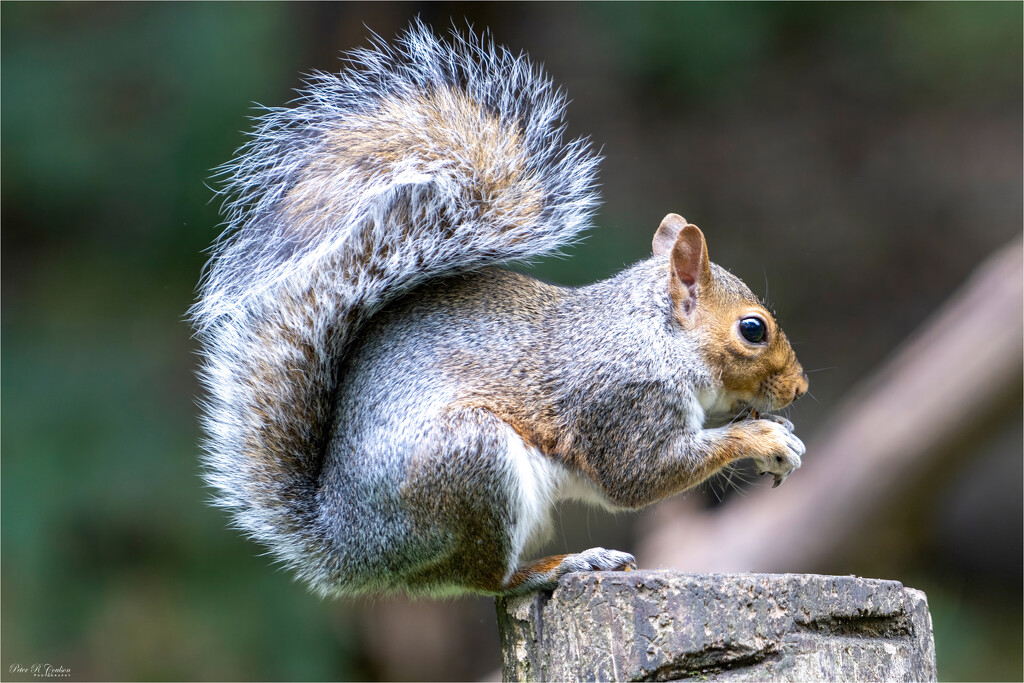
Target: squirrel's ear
x,y
665,237
691,269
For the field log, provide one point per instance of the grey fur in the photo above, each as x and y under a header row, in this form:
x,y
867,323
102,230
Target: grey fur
x,y
383,411
283,294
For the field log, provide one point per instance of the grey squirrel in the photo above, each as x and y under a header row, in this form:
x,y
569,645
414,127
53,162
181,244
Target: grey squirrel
x,y
386,409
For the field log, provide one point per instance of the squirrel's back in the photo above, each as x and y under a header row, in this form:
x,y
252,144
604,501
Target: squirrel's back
x,y
418,161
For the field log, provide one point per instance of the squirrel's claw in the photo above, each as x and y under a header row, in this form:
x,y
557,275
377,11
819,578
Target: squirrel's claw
x,y
779,478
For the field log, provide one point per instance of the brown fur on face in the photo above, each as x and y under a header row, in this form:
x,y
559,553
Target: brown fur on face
x,y
765,376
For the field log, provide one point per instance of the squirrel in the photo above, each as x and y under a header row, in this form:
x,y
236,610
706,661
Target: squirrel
x,y
389,410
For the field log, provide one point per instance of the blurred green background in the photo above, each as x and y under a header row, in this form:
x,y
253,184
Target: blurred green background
x,y
860,159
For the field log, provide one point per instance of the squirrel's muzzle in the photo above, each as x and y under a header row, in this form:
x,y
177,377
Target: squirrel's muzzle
x,y
801,386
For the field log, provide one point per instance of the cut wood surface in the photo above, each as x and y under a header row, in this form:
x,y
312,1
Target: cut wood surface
x,y
666,625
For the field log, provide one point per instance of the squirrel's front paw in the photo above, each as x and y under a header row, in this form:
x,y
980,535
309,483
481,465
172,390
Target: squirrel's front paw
x,y
784,448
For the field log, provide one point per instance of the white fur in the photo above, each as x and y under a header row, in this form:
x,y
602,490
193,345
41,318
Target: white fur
x,y
541,483
714,406
537,480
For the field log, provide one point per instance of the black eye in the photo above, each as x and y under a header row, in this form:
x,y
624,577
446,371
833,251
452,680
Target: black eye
x,y
753,330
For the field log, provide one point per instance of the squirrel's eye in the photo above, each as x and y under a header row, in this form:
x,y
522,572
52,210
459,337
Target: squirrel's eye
x,y
753,330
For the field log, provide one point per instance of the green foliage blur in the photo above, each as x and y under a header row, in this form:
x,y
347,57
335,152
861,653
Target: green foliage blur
x,y
113,119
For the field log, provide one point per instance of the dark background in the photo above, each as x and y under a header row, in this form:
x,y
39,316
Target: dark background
x,y
854,162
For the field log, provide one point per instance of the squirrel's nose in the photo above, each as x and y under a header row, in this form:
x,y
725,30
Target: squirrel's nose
x,y
801,386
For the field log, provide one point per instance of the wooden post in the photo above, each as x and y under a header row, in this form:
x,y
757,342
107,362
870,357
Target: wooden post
x,y
668,625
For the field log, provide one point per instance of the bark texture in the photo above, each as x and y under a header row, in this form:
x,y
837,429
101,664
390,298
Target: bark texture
x,y
668,625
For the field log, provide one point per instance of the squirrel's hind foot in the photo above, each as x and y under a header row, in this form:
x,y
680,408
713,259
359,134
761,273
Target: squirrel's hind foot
x,y
544,573
597,560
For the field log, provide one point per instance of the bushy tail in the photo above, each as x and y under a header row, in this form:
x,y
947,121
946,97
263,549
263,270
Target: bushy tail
x,y
420,160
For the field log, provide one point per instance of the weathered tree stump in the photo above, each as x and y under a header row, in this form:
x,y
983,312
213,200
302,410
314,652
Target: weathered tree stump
x,y
668,625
